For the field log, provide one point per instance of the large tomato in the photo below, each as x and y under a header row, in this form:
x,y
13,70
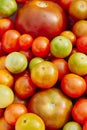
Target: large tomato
x,y
52,106
40,17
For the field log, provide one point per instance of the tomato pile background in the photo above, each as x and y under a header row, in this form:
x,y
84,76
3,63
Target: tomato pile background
x,y
43,65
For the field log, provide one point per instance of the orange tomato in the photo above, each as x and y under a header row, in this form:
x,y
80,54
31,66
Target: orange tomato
x,y
2,62
6,78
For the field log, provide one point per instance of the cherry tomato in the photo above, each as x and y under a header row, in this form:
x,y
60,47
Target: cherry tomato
x,y
10,41
25,41
21,1
81,44
13,112
79,111
62,66
41,46
65,4
24,87
73,85
5,24
85,126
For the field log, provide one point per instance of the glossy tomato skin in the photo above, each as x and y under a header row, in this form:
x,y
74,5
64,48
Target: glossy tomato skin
x,y
73,85
41,46
43,18
85,126
5,24
79,111
10,41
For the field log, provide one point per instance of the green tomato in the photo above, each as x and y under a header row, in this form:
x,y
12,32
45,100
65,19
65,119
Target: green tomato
x,y
60,47
16,62
34,61
7,7
77,63
6,96
72,126
29,121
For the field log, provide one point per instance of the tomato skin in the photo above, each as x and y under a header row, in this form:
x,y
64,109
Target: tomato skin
x,y
25,41
73,85
41,47
24,87
5,24
13,112
65,4
81,44
85,126
62,66
79,111
10,41
43,18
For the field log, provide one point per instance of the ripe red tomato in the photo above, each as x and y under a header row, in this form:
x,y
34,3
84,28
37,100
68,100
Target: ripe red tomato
x,y
65,4
25,41
13,112
81,44
79,111
10,41
62,66
41,18
41,46
85,126
24,87
73,85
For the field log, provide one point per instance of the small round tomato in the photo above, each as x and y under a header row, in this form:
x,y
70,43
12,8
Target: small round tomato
x,y
41,46
81,44
73,85
10,41
79,111
5,24
44,74
24,87
80,28
13,112
70,35
78,9
29,121
25,41
62,66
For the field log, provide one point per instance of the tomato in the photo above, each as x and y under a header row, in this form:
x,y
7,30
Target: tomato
x,y
30,121
62,66
13,112
52,106
41,46
5,24
4,125
70,35
79,111
73,85
65,4
47,74
43,18
21,1
85,126
2,62
78,7
81,44
6,78
80,28
10,41
25,41
24,87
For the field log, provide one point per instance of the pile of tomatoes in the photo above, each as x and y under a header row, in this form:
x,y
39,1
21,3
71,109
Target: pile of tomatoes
x,y
43,65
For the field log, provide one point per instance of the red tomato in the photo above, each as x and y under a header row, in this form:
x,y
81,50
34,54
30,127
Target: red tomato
x,y
24,87
41,18
5,24
81,44
1,112
73,85
10,41
41,46
21,1
79,111
62,66
85,126
25,41
13,112
65,4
